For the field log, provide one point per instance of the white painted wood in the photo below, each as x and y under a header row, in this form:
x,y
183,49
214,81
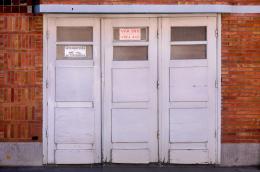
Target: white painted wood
x,y
131,156
189,84
128,87
74,84
154,9
189,43
130,146
218,107
130,64
190,145
130,125
75,146
189,156
130,105
141,43
75,63
51,20
187,97
74,125
74,156
74,104
74,43
45,95
189,125
183,105
51,88
188,63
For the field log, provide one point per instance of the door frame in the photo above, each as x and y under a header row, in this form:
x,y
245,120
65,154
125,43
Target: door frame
x,y
103,16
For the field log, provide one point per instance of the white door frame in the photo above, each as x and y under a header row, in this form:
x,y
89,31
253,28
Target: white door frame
x,y
100,16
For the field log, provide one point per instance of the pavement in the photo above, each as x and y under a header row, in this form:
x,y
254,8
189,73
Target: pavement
x,y
129,168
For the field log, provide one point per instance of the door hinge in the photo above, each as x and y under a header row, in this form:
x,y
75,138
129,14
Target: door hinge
x,y
47,84
216,33
47,34
46,133
157,85
157,34
158,135
216,83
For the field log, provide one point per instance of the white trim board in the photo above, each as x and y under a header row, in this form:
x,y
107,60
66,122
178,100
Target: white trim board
x,y
145,9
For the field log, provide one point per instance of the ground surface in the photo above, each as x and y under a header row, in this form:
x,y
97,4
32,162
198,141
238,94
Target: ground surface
x,y
129,168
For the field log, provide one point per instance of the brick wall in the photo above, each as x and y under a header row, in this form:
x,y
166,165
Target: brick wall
x,y
17,6
20,77
241,78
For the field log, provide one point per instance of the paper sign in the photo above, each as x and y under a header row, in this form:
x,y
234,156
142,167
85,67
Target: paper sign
x,y
131,34
75,51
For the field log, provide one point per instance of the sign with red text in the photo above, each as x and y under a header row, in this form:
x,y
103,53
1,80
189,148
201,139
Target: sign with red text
x,y
129,34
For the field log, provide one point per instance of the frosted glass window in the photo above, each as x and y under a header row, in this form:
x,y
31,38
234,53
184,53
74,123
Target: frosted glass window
x,y
124,53
74,34
189,33
74,52
143,33
181,52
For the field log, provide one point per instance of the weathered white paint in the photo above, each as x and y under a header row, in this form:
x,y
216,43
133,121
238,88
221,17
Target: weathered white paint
x,y
128,86
74,156
191,85
121,105
218,91
74,105
131,156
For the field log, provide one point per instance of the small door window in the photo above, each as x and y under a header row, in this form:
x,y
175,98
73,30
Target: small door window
x,y
180,52
189,33
74,43
188,43
130,43
124,53
74,34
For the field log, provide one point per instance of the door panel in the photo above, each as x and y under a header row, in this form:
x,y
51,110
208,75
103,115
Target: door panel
x,y
130,98
74,106
187,90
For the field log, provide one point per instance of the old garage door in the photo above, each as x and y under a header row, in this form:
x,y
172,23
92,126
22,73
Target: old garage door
x,y
143,87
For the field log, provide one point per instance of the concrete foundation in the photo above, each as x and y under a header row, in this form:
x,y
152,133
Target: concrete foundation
x,y
20,154
241,154
30,154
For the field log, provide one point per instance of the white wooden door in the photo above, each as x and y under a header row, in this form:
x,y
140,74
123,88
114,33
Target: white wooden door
x,y
130,90
187,90
74,108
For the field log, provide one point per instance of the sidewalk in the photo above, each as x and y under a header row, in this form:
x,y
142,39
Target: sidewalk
x,y
129,168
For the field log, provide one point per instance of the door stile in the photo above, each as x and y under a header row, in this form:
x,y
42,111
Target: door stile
x,y
51,88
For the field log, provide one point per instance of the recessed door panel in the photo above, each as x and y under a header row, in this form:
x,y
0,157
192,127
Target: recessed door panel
x,y
130,85
130,125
